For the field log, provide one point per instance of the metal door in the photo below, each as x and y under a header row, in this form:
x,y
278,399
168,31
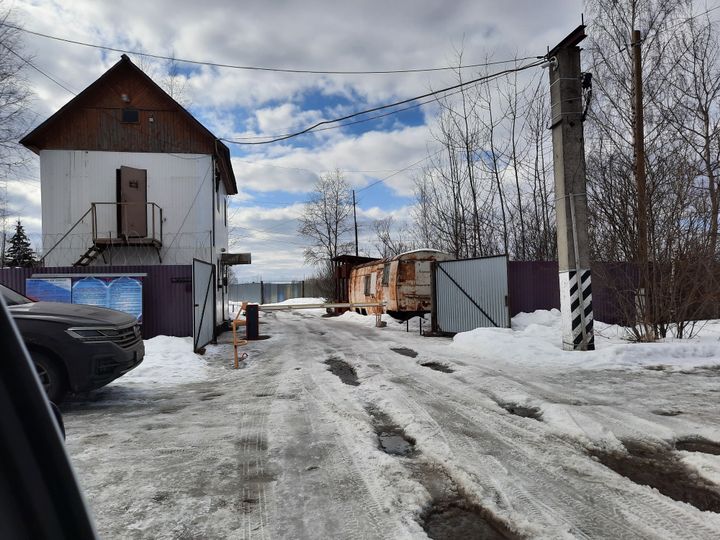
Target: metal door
x,y
203,289
471,293
132,193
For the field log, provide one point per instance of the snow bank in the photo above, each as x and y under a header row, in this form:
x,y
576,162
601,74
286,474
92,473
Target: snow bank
x,y
300,302
168,361
535,338
392,324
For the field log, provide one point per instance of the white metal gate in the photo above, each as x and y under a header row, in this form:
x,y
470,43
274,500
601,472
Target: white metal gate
x,y
203,286
470,293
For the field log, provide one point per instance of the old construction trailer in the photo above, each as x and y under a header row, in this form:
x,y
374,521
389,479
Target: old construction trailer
x,y
402,282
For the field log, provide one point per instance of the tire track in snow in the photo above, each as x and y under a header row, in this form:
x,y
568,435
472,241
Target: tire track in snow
x,y
560,491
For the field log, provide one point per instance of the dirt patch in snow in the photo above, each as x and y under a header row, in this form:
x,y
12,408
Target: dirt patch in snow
x,y
703,371
343,370
698,444
522,410
451,514
392,439
667,412
661,469
404,351
437,366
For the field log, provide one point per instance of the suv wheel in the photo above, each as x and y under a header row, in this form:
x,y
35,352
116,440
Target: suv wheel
x,y
50,375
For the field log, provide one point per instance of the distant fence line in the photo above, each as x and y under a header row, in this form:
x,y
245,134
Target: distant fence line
x,y
264,292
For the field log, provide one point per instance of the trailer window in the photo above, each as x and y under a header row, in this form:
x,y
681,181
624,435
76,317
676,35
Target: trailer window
x,y
386,274
367,285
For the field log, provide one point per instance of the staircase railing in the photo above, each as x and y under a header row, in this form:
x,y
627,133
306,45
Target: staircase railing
x,y
155,231
41,262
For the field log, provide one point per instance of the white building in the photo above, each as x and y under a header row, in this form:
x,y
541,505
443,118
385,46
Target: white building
x,y
129,177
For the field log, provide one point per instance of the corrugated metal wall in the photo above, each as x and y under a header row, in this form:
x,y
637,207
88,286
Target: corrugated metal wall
x,y
534,285
167,293
471,293
269,293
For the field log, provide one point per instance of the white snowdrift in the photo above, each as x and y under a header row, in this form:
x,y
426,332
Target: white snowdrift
x,y
535,338
169,361
392,324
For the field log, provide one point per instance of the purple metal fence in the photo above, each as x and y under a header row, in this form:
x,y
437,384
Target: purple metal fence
x,y
534,285
167,292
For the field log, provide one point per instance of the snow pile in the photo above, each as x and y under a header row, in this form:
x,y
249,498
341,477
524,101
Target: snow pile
x,y
168,361
302,302
392,324
535,338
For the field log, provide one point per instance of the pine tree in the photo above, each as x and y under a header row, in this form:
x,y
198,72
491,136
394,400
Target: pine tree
x,y
19,252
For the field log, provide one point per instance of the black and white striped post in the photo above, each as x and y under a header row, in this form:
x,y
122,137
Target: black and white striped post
x,y
567,112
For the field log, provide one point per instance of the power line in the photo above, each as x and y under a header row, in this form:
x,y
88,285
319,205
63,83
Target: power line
x,y
399,171
387,106
262,68
29,63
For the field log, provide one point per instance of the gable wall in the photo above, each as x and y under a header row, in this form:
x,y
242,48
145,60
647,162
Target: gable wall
x,y
93,122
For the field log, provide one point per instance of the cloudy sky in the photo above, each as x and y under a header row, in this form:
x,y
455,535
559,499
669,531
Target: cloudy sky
x,y
275,179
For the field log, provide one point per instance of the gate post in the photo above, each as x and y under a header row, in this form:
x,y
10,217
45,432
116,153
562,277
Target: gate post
x,y
433,297
567,115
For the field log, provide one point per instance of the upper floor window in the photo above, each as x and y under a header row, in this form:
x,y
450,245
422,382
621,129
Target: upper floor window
x,y
130,116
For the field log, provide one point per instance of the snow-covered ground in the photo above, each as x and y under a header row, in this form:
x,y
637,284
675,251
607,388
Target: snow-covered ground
x,y
168,361
283,448
535,339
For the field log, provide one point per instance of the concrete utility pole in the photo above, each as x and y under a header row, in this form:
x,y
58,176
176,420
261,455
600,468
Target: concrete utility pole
x,y
639,141
571,209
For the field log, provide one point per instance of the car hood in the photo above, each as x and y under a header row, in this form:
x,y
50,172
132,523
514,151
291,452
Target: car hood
x,y
71,314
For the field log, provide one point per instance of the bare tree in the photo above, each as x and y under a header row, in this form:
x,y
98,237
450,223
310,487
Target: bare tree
x,y
391,239
326,220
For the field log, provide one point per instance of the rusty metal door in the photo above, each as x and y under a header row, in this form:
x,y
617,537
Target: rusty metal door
x,y
132,193
203,289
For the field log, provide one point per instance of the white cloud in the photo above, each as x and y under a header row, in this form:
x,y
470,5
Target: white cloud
x,y
309,35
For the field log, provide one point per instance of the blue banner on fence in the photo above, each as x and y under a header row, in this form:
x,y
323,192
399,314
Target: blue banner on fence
x,y
122,293
49,289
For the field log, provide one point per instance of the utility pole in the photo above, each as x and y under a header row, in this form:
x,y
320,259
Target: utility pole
x,y
566,123
355,221
639,143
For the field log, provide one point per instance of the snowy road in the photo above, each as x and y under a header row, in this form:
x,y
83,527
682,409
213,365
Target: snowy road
x,y
284,448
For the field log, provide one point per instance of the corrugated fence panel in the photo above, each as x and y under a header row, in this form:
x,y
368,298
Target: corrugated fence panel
x,y
167,292
471,294
534,285
269,293
245,292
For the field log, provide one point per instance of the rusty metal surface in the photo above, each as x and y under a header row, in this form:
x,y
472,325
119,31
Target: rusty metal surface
x,y
167,293
408,288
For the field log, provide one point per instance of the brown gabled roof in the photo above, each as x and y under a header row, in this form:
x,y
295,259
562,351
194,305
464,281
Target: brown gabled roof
x,y
91,121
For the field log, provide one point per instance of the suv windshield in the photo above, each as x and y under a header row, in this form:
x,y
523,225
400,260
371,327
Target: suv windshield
x,y
13,298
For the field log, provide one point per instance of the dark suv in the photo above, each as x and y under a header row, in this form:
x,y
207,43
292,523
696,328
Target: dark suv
x,y
75,347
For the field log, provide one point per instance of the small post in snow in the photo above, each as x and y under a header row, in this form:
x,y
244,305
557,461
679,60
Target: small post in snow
x,y
567,116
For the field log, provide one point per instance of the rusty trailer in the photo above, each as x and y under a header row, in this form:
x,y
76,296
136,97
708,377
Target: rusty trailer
x,y
403,283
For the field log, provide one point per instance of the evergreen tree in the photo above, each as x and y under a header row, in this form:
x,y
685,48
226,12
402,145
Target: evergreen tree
x,y
19,252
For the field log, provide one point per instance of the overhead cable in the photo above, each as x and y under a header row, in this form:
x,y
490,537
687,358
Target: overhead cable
x,y
262,68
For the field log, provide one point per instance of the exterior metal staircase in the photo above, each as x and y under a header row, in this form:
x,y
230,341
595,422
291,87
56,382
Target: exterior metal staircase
x,y
90,255
147,238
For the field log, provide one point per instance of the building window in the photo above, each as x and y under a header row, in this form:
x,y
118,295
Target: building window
x,y
386,274
367,285
130,116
